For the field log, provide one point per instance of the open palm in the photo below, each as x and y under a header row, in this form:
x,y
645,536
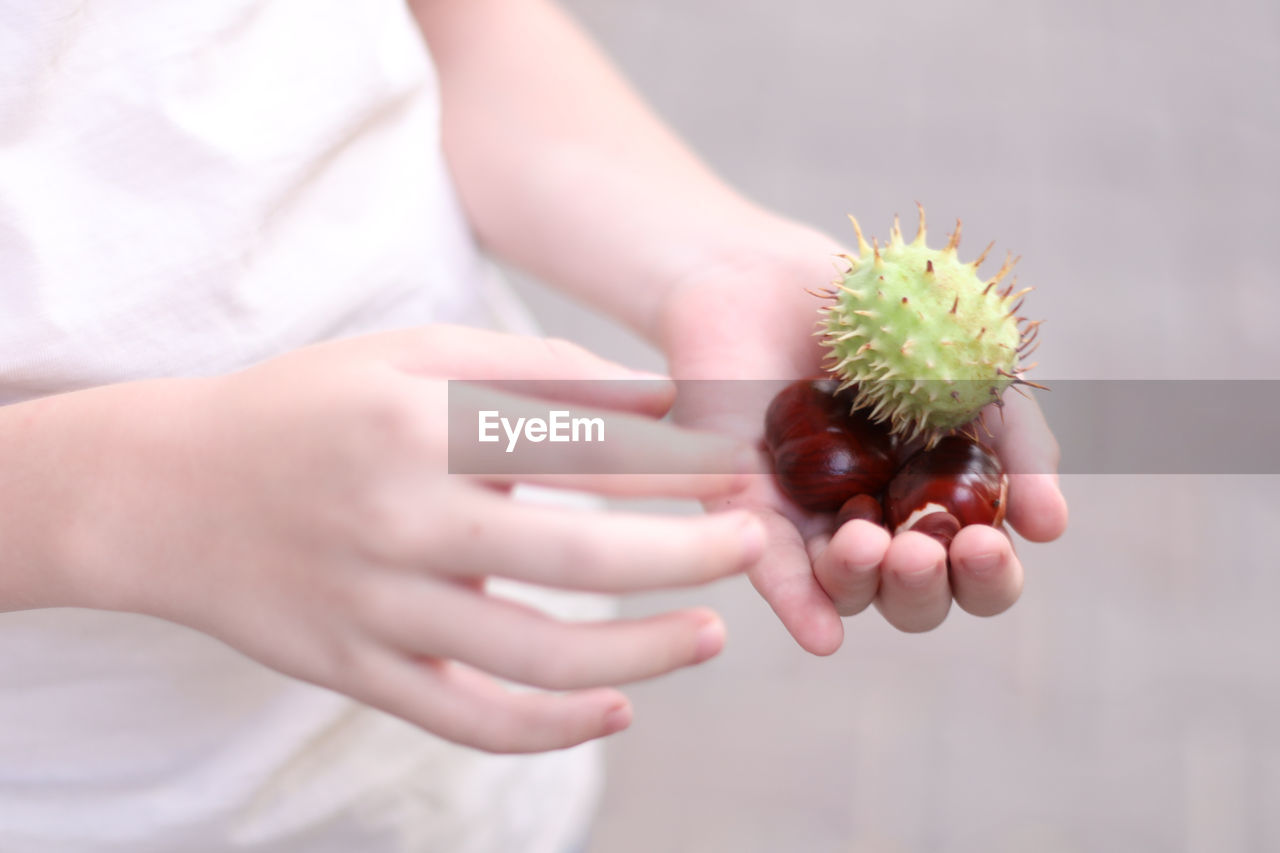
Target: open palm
x,y
755,322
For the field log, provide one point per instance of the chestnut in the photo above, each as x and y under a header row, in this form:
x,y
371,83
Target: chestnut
x,y
942,526
823,454
821,472
864,507
804,408
958,476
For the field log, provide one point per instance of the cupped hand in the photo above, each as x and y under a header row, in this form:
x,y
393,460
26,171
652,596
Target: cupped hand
x,y
752,320
303,512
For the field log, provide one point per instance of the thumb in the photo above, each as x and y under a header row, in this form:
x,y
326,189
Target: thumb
x,y
1029,452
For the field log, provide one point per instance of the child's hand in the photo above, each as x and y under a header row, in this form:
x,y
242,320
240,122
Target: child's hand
x,y
753,320
302,512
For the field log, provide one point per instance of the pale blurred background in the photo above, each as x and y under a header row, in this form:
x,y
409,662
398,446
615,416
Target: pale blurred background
x,y
1130,152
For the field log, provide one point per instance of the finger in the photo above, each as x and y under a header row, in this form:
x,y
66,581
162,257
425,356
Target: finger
x,y
518,643
1021,435
501,438
472,709
725,406
1030,453
914,592
849,568
784,577
986,576
542,367
1037,508
465,352
648,397
592,551
551,368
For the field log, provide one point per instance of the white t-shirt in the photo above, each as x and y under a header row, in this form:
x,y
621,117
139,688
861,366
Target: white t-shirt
x,y
187,188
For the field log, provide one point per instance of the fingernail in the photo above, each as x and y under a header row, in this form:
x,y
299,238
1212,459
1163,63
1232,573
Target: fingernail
x,y
617,718
919,578
709,641
982,564
864,555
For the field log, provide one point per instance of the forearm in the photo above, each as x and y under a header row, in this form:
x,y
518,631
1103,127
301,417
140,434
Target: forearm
x,y
77,491
566,173
41,484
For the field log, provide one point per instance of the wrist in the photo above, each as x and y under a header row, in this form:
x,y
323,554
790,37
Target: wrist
x,y
37,496
74,494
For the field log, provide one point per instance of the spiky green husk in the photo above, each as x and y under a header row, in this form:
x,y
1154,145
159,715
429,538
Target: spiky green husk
x,y
925,340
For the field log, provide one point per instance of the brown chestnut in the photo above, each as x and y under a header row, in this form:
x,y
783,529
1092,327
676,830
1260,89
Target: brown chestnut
x,y
864,507
942,526
958,476
820,472
804,408
823,455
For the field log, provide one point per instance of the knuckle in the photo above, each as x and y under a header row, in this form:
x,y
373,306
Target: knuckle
x,y
374,430
376,606
388,532
394,421
326,654
389,526
342,659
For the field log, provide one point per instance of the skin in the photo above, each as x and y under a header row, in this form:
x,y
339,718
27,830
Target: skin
x,y
303,512
717,283
204,501
810,578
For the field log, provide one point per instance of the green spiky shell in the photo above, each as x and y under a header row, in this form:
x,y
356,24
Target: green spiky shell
x,y
925,340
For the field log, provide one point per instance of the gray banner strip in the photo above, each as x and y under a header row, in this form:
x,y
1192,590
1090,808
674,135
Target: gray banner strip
x,y
1102,426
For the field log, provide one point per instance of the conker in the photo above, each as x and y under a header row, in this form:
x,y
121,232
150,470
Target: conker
x,y
958,476
942,526
824,455
801,409
864,507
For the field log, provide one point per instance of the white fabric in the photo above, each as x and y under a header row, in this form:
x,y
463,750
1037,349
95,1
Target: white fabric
x,y
187,188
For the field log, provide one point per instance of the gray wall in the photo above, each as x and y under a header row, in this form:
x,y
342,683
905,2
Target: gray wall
x,y
1130,152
